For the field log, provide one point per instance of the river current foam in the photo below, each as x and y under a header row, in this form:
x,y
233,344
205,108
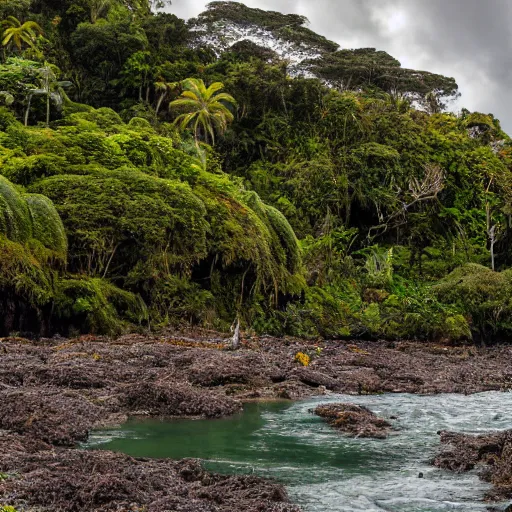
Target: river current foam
x,y
323,470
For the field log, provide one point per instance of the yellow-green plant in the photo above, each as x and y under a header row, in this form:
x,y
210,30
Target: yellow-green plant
x,y
18,33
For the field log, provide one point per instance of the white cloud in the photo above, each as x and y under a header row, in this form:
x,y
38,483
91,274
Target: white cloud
x,y
470,40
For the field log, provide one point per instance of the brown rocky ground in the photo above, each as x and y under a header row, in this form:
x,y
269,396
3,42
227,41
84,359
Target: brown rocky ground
x,y
492,453
354,420
76,480
53,392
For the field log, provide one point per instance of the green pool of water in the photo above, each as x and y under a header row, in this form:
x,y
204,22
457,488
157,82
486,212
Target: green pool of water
x,y
323,470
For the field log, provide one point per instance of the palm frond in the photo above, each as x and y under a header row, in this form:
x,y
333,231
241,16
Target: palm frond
x,y
31,26
190,94
208,110
215,87
223,96
11,21
195,86
7,38
184,120
184,102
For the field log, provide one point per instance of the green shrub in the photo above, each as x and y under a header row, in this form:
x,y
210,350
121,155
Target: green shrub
x,y
19,137
140,124
15,221
47,227
371,319
137,151
7,118
32,243
94,305
347,309
100,149
123,217
22,273
71,107
24,217
177,300
412,311
484,295
242,233
330,312
104,118
456,328
25,170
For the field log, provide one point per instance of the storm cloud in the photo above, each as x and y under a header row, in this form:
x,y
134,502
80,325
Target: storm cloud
x,y
470,40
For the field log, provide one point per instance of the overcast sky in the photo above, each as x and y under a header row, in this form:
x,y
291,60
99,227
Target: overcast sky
x,y
470,40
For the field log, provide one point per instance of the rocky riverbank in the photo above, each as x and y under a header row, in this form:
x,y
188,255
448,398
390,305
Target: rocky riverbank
x,y
490,453
53,392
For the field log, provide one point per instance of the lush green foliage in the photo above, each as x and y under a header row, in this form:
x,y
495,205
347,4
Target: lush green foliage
x,y
134,192
95,305
17,33
7,508
483,294
368,69
144,215
206,109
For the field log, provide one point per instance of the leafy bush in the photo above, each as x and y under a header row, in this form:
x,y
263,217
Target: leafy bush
x,y
94,305
137,209
104,118
484,295
330,312
27,216
22,275
25,170
7,118
176,300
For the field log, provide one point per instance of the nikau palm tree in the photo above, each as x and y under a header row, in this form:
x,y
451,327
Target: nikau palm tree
x,y
50,88
18,33
207,109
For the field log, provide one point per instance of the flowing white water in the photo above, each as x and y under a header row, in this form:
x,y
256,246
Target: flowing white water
x,y
323,470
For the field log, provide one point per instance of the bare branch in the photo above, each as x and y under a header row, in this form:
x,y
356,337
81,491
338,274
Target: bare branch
x,y
418,192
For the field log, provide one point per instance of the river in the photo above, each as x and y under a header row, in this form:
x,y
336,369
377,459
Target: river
x,y
323,470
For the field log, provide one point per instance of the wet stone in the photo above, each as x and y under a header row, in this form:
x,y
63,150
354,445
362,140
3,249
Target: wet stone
x,y
354,420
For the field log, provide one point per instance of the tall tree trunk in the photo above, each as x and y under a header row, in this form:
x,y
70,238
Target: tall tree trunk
x,y
48,110
492,238
159,103
28,110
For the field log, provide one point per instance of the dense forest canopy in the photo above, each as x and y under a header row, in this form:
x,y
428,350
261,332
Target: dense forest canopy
x,y
226,23
156,171
367,68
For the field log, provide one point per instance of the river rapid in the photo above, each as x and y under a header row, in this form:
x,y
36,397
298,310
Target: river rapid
x,y
323,470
